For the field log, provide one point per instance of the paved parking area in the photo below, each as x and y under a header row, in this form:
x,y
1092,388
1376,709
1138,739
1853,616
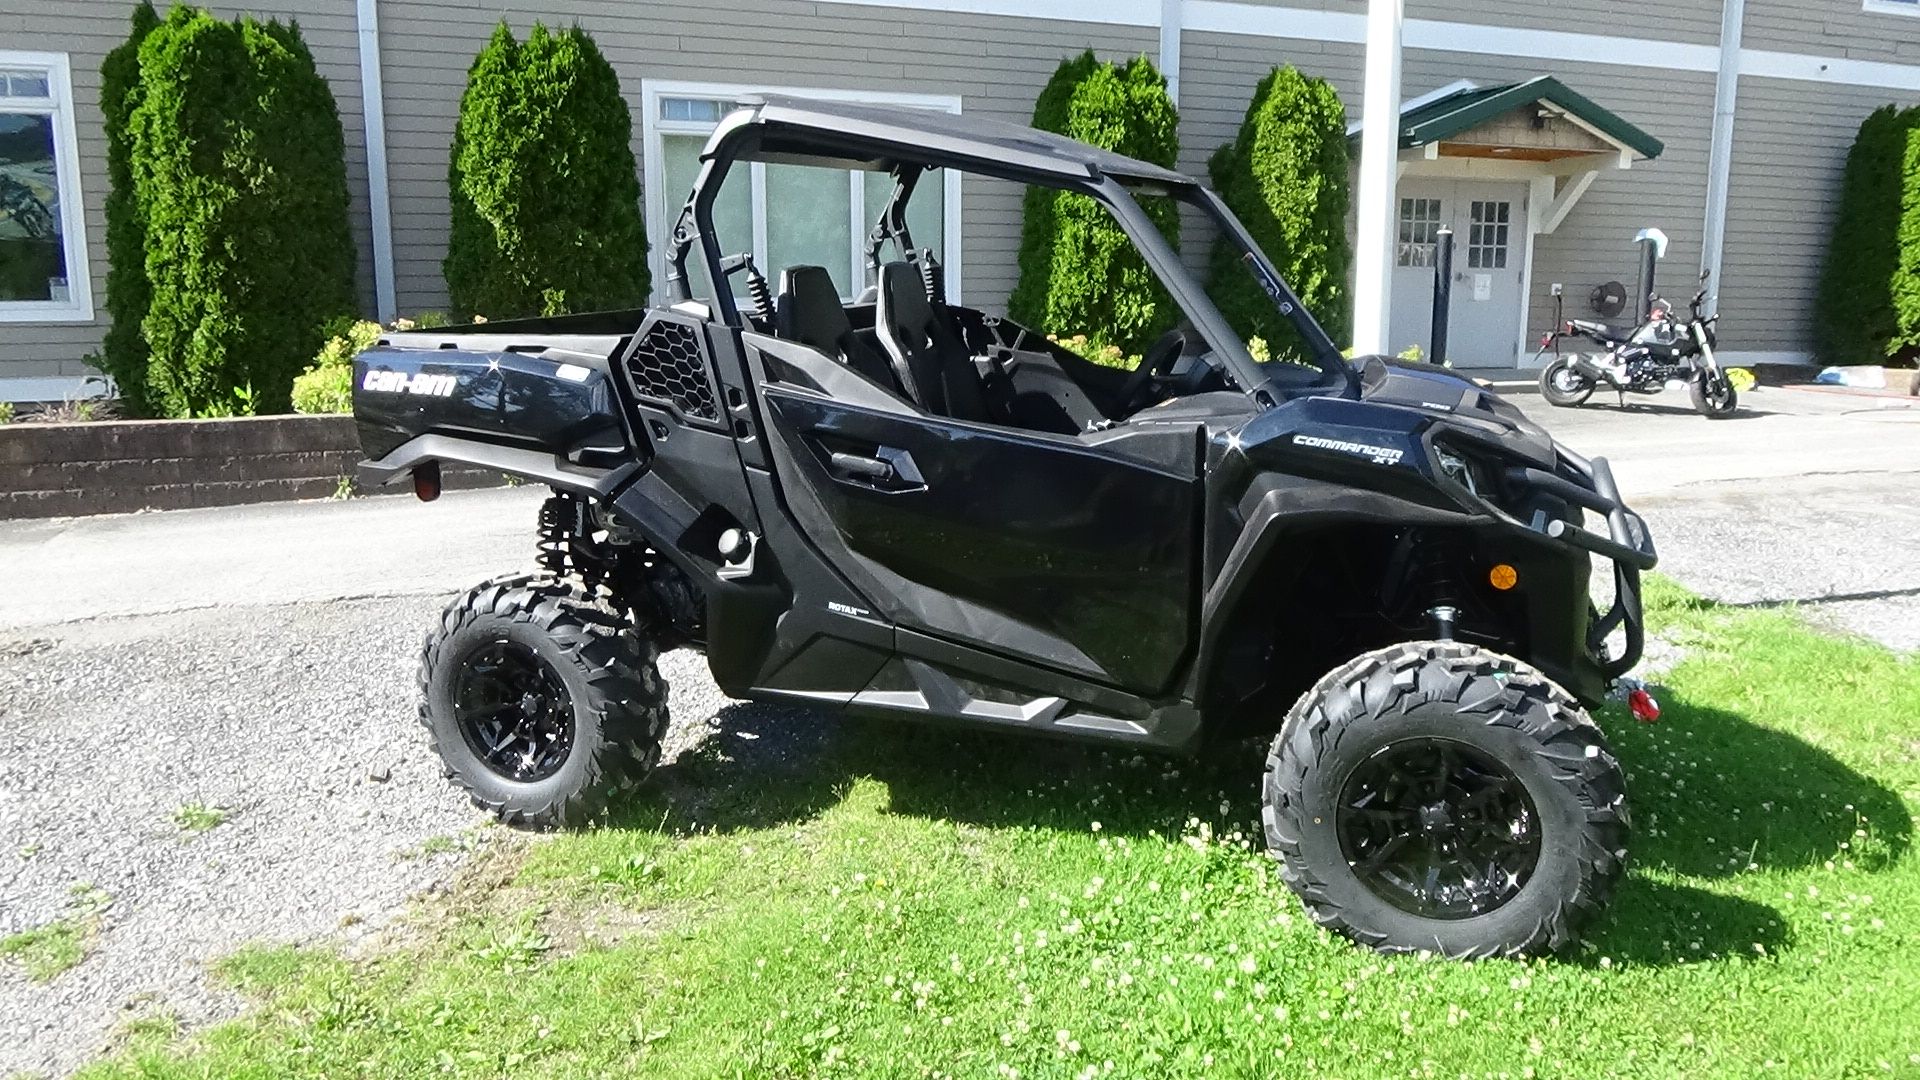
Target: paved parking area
x,y
1807,497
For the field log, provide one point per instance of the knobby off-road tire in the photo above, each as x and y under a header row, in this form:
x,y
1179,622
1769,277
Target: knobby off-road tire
x,y
1477,706
1563,386
590,674
1716,402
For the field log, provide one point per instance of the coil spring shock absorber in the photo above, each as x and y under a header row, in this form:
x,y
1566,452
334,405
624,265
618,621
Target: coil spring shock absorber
x,y
563,544
760,293
1433,572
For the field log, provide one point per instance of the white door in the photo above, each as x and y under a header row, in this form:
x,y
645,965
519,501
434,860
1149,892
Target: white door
x,y
1489,222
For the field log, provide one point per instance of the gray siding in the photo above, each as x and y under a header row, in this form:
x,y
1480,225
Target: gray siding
x,y
1789,150
1692,21
996,65
1831,28
86,30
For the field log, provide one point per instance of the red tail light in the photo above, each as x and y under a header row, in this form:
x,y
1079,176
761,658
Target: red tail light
x,y
426,481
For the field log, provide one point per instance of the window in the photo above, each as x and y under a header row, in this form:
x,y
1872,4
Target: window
x,y
1487,235
786,215
43,247
1892,7
1419,231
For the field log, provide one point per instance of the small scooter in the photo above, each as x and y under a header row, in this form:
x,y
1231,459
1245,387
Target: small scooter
x,y
1644,361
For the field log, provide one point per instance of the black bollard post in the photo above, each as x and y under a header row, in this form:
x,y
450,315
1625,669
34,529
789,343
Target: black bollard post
x,y
1653,247
1442,294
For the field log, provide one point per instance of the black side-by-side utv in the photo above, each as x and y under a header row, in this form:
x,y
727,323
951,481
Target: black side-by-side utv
x,y
905,507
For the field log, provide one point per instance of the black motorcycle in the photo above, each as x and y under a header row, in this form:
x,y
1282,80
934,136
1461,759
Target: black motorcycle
x,y
1643,361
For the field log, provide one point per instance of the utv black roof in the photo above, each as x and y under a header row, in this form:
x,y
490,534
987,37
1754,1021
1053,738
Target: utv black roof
x,y
875,137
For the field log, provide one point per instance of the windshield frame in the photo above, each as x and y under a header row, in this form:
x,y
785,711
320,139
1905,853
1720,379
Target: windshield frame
x,y
737,137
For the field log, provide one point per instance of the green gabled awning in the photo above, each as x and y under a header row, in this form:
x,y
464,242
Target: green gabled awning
x,y
1458,112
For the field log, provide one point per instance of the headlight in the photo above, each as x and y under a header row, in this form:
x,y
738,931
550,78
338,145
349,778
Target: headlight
x,y
1456,468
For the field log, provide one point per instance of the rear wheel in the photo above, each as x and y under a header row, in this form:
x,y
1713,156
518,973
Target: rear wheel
x,y
1713,395
541,703
1435,796
1561,385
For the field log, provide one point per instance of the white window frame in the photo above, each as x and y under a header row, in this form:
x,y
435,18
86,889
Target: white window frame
x,y
663,207
1910,8
78,306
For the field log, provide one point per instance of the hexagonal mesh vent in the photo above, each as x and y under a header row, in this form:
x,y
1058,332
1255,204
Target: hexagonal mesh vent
x,y
668,367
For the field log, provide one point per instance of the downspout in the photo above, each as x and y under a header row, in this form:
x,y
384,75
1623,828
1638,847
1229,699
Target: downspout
x,y
1713,236
373,112
1171,18
1379,174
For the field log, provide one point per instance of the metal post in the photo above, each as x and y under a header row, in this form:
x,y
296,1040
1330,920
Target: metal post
x,y
1379,173
1653,248
1442,294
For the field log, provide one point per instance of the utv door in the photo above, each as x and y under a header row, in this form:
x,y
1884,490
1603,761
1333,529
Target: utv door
x,y
1025,544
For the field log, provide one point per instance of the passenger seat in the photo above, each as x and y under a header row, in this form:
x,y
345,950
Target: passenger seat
x,y
808,312
933,364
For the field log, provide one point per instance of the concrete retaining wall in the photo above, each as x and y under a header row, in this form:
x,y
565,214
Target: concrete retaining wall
x,y
57,470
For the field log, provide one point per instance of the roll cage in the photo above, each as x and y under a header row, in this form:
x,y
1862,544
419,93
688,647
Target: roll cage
x,y
905,143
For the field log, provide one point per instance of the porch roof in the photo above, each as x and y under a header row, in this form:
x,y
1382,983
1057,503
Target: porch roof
x,y
1459,109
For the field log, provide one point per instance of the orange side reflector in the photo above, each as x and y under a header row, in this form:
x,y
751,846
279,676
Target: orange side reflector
x,y
1503,577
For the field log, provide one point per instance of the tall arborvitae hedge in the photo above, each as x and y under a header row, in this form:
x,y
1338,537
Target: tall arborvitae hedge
x,y
239,167
545,197
1285,177
1079,273
1855,317
123,353
1904,347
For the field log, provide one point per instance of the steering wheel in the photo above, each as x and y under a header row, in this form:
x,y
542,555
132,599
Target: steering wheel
x,y
1158,360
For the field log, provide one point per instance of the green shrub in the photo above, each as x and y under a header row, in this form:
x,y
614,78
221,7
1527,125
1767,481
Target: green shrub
x,y
327,386
545,197
1855,317
6,412
1079,273
123,352
1104,355
239,168
1285,177
1904,346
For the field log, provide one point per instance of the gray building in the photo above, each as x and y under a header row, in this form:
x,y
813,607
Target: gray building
x,y
1723,122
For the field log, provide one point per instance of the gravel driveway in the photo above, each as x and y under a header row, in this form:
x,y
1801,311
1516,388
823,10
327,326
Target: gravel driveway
x,y
296,720
260,660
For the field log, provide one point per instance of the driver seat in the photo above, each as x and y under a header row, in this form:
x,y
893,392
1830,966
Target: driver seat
x,y
933,364
808,312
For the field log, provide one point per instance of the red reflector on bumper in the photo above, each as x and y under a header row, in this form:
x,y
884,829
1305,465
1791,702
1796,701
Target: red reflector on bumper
x,y
1644,708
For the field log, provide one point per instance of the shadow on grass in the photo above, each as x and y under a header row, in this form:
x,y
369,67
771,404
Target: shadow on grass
x,y
1712,795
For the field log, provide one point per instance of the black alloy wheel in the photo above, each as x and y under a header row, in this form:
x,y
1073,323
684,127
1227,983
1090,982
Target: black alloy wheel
x,y
543,703
1438,797
1438,829
514,711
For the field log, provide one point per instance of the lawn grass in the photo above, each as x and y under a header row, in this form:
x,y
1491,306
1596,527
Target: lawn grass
x,y
867,900
49,950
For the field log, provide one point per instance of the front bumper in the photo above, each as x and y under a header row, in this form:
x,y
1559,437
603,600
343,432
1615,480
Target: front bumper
x,y
1628,545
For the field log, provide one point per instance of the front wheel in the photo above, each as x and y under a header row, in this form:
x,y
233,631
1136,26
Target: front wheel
x,y
1713,395
1561,385
541,703
1436,796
